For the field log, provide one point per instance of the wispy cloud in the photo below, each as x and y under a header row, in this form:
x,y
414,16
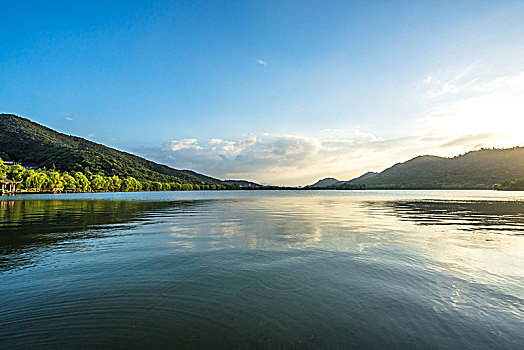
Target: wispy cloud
x,y
90,135
69,118
471,141
477,105
262,62
451,81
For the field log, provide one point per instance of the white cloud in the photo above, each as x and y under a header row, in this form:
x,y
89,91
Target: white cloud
x,y
262,62
465,110
69,118
177,145
299,159
90,135
232,147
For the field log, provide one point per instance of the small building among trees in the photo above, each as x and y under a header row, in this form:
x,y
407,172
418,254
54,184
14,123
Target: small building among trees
x,y
8,186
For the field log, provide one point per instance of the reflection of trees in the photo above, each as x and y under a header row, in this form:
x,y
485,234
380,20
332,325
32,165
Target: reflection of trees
x,y
29,227
501,216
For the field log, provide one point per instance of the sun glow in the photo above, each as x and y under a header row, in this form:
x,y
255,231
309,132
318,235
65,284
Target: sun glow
x,y
493,110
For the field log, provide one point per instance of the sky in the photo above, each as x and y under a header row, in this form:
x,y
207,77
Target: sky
x,y
277,92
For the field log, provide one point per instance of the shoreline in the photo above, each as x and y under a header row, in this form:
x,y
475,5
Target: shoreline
x,y
3,195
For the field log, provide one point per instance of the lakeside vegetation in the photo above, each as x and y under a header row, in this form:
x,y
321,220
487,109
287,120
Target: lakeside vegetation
x,y
347,186
53,160
58,162
53,180
342,186
42,179
510,185
35,145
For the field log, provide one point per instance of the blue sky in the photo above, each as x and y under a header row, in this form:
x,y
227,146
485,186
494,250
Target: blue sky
x,y
280,92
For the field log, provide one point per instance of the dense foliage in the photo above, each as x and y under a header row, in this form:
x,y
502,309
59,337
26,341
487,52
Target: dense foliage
x,y
473,170
338,185
510,185
348,186
32,144
42,179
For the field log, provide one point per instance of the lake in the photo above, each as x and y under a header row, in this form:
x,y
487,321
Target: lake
x,y
263,269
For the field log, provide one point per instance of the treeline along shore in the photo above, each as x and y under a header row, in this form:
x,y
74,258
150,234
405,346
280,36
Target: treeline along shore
x,y
56,162
52,180
42,180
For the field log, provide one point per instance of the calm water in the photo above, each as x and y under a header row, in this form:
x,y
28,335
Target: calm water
x,y
310,269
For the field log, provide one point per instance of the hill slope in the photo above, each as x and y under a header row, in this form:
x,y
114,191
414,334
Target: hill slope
x,y
327,182
27,142
473,170
363,177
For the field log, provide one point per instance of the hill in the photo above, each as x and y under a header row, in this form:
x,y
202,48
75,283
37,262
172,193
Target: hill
x,y
29,143
363,177
331,183
327,182
473,170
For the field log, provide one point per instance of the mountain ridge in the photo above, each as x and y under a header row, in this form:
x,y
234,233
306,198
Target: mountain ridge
x,y
25,141
479,169
325,182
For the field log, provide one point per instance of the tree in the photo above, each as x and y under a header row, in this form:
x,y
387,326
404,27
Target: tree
x,y
186,187
82,182
130,184
68,181
116,182
37,180
54,180
99,183
3,169
17,172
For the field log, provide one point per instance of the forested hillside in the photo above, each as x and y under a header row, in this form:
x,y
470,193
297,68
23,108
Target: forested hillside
x,y
32,144
474,170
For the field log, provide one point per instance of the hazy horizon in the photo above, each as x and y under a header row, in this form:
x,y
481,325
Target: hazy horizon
x,y
284,93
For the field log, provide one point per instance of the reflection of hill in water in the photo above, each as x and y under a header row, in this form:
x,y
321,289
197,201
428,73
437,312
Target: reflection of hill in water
x,y
493,216
30,227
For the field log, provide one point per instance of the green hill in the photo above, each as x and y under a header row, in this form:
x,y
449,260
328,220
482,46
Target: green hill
x,y
325,183
474,170
29,143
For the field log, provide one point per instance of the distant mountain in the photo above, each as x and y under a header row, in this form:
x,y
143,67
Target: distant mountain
x,y
331,182
327,182
361,178
29,143
474,170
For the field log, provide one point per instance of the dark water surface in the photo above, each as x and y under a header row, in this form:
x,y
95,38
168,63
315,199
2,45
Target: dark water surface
x,y
308,269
